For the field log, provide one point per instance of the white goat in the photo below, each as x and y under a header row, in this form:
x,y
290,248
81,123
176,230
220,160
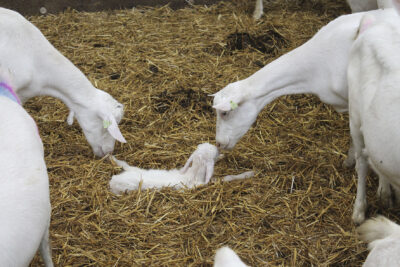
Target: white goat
x,y
226,257
258,10
317,67
24,191
383,237
366,5
374,113
200,172
37,68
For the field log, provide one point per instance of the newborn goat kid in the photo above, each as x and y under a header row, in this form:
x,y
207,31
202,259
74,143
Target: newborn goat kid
x,y
200,172
36,68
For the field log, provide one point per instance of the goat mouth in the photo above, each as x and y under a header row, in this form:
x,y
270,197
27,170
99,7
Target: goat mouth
x,y
227,147
100,152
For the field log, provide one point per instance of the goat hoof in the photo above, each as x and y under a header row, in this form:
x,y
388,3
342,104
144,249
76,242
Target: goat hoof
x,y
385,196
257,15
349,162
359,212
358,217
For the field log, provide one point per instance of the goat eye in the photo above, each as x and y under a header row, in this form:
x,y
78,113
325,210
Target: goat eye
x,y
224,113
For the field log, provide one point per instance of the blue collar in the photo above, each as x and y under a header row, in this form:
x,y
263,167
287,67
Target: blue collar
x,y
7,91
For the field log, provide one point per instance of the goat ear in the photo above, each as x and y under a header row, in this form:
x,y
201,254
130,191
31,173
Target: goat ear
x,y
121,163
111,125
366,22
187,164
70,119
209,171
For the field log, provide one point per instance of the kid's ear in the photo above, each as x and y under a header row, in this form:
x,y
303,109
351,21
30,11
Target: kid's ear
x,y
187,164
209,171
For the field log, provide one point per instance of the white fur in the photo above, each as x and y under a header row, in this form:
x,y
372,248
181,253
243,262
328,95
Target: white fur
x,y
37,68
373,75
200,172
24,191
383,237
258,10
226,257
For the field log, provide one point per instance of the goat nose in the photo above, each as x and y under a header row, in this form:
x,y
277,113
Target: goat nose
x,y
218,145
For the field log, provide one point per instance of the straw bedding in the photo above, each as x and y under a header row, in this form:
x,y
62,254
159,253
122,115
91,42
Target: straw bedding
x,y
162,64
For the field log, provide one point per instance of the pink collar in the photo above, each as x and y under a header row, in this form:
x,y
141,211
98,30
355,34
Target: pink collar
x,y
6,90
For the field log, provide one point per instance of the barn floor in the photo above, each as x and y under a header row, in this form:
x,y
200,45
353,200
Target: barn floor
x,y
162,64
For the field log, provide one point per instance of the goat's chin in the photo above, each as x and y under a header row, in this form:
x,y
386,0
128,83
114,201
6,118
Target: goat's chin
x,y
227,147
101,152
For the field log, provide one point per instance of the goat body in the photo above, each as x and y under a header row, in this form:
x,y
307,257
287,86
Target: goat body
x,y
132,178
24,191
373,78
36,68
